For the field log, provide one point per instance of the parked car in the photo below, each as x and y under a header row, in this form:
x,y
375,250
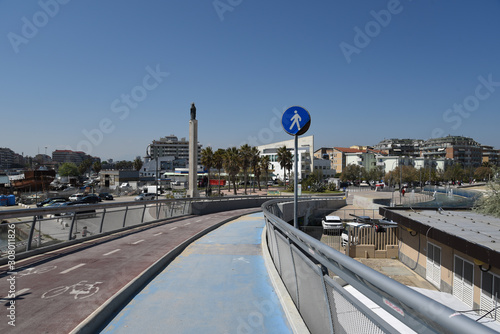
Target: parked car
x,y
48,200
76,197
89,199
145,197
332,223
106,196
55,201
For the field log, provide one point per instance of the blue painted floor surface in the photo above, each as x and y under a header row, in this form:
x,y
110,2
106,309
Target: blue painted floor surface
x,y
219,284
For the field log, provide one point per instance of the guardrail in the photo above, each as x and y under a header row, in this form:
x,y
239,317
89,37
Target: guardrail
x,y
42,227
323,282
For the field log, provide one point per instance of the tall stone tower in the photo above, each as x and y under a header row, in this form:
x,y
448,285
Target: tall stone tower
x,y
193,154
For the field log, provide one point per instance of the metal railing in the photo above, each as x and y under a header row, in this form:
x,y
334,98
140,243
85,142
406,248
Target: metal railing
x,y
40,227
322,283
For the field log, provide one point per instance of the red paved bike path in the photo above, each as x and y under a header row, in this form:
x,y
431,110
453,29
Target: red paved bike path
x,y
60,292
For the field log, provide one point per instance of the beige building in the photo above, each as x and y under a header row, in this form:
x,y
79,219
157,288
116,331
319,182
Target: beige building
x,y
457,251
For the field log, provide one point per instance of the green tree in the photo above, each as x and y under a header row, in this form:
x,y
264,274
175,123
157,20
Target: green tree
x,y
124,165
376,173
84,166
68,169
255,165
218,162
264,167
96,166
137,164
282,157
245,160
207,160
232,165
454,173
489,203
483,173
353,172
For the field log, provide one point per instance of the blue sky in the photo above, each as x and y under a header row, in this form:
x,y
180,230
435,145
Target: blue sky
x,y
108,77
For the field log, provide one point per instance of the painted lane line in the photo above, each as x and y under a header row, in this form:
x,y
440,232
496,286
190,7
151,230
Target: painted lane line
x,y
173,228
109,253
190,223
72,268
138,242
17,293
157,234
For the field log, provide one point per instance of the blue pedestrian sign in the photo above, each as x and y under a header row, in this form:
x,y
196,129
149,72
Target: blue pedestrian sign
x,y
296,121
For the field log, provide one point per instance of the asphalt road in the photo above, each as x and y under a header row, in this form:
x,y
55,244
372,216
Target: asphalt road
x,y
56,292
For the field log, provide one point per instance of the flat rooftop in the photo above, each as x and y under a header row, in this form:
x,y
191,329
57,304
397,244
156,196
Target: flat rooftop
x,y
471,226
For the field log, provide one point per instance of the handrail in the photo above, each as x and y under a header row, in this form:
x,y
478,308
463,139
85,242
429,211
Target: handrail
x,y
41,227
420,313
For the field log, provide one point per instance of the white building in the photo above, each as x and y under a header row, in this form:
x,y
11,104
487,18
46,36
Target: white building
x,y
305,153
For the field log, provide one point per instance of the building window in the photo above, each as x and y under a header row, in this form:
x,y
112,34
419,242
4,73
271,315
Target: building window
x,y
490,294
433,267
463,281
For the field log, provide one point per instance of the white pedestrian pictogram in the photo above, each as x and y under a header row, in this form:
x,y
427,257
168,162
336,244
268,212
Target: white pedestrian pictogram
x,y
295,120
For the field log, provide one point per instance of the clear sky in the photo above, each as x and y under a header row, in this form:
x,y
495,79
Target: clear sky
x,y
108,77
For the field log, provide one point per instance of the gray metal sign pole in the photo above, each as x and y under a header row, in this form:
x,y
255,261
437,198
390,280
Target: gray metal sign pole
x,y
295,121
295,182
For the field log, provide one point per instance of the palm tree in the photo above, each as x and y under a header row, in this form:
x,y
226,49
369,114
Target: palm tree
x,y
254,163
207,160
282,159
264,166
232,164
137,164
289,158
218,162
245,161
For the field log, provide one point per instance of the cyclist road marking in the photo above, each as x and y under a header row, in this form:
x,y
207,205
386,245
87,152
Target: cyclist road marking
x,y
72,268
109,253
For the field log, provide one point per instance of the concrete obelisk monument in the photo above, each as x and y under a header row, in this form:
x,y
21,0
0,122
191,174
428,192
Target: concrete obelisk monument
x,y
193,154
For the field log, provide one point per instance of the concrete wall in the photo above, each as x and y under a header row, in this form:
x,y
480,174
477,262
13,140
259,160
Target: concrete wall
x,y
311,210
203,208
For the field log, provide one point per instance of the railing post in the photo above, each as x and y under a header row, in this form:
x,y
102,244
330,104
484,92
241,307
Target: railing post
x,y
125,216
102,220
32,231
143,212
70,237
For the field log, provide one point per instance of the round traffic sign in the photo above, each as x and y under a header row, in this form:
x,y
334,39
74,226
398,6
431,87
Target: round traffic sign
x,y
296,121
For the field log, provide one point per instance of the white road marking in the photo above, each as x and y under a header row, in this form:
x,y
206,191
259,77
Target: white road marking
x,y
17,293
173,228
72,268
109,253
157,234
137,242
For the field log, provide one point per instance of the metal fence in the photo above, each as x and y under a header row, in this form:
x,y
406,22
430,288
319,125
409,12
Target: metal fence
x,y
41,227
325,286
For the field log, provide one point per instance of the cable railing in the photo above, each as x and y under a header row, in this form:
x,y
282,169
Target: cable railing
x,y
325,286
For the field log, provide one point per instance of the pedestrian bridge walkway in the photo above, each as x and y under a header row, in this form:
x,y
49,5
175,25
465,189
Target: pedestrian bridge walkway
x,y
219,284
